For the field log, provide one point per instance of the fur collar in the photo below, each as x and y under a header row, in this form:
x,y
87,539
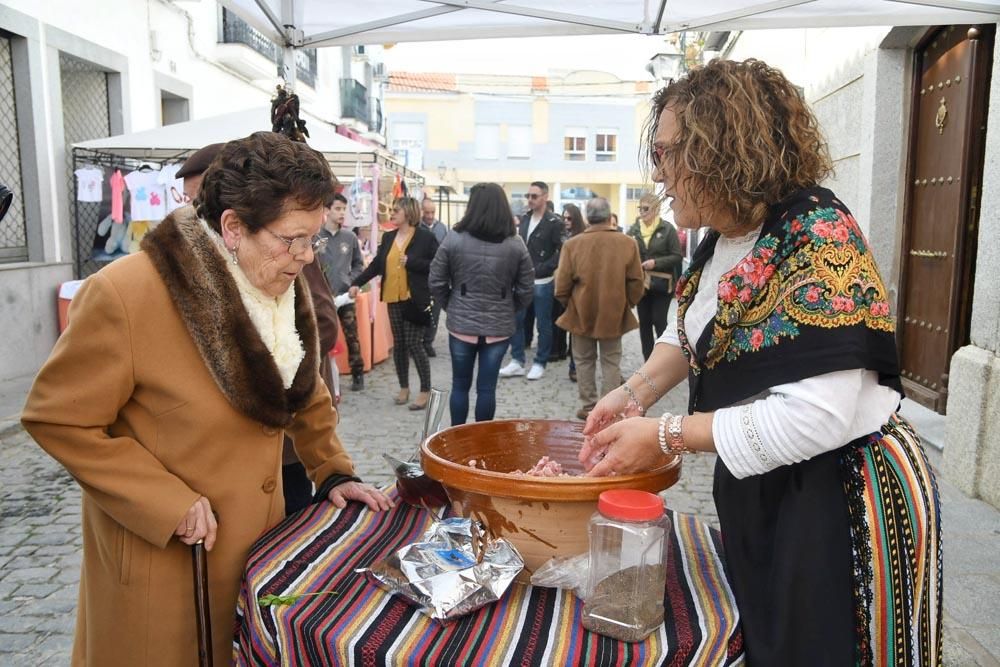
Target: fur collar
x,y
210,305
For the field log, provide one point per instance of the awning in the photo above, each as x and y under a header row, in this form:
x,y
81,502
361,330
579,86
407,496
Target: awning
x,y
311,23
179,139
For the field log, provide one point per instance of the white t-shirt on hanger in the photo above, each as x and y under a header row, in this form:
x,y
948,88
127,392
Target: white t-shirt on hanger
x,y
147,195
173,187
89,180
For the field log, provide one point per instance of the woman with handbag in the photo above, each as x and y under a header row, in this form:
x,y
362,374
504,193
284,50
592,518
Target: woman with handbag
x,y
402,262
660,251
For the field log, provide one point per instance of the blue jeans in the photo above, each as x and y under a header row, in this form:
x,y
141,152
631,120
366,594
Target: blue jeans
x,y
542,302
463,359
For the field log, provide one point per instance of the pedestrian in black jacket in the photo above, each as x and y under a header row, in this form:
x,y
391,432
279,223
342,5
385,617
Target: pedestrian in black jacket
x,y
542,231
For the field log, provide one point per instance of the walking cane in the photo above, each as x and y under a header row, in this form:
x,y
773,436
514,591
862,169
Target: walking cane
x,y
201,604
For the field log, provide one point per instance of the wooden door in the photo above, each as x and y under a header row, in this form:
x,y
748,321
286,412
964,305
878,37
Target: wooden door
x,y
944,180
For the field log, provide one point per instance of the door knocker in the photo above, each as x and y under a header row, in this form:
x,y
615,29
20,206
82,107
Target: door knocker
x,y
941,119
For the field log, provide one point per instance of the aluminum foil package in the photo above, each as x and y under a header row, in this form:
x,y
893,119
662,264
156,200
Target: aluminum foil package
x,y
454,569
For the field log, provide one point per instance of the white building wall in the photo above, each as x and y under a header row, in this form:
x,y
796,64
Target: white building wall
x,y
146,46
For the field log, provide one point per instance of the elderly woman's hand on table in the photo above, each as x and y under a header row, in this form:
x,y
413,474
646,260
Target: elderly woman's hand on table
x,y
623,448
364,493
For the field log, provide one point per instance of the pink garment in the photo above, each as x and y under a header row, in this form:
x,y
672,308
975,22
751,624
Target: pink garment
x,y
117,182
472,340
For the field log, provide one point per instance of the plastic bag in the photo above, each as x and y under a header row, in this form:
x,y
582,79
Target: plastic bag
x,y
566,573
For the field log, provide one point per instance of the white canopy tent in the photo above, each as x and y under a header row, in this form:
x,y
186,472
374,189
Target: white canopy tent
x,y
177,140
312,23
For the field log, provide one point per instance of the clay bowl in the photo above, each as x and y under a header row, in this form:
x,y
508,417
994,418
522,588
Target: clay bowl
x,y
542,517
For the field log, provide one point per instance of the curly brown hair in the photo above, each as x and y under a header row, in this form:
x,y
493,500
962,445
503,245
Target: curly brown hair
x,y
261,177
747,140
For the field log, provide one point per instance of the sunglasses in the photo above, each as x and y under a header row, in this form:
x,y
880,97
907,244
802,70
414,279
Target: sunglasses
x,y
532,196
645,209
566,217
297,245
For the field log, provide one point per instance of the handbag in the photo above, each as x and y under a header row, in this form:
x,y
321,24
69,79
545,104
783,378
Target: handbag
x,y
417,312
667,278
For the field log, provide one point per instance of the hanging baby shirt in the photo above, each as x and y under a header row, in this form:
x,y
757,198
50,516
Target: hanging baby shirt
x,y
146,195
173,187
117,182
88,184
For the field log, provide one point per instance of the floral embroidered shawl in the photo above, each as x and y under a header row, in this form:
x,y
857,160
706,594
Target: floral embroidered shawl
x,y
807,300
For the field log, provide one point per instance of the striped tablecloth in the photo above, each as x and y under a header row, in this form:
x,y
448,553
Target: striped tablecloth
x,y
320,548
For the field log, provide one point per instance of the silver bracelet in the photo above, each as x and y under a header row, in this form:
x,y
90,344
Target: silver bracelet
x,y
632,398
661,434
656,392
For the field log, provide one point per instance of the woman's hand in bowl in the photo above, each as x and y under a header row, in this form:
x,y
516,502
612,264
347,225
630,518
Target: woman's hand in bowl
x,y
625,448
364,493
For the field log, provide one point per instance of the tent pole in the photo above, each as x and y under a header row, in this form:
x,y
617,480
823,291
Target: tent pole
x,y
287,68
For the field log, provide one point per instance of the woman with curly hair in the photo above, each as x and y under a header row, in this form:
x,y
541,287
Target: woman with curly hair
x,y
829,512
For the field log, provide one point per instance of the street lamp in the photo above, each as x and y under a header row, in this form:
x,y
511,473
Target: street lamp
x,y
442,172
665,66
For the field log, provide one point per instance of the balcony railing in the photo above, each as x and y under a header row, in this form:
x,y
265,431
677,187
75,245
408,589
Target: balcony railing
x,y
354,101
237,31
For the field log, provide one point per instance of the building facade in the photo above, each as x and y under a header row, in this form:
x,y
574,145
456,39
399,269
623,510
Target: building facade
x,y
579,132
73,71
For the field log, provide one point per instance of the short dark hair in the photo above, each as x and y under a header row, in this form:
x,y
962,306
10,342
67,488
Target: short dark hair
x,y
339,197
262,176
541,185
488,216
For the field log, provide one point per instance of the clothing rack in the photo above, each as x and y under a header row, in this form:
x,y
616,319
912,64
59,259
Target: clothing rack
x,y
88,215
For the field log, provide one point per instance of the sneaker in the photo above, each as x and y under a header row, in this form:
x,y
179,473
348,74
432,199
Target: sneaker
x,y
430,351
357,382
583,413
536,372
514,368
572,375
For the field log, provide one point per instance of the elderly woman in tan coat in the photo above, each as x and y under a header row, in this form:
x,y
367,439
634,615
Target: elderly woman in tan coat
x,y
168,395
599,280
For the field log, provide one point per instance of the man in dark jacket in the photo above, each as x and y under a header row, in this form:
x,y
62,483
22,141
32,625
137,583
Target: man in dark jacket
x,y
542,231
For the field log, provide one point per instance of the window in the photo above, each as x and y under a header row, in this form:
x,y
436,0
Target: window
x,y
606,145
13,228
407,142
635,193
173,108
487,142
575,144
519,142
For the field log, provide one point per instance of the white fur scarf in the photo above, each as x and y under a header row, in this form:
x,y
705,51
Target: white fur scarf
x,y
273,317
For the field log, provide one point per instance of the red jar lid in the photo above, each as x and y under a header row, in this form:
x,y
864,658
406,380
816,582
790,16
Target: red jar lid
x,y
629,505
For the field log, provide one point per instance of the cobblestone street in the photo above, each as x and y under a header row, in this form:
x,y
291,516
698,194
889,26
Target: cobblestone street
x,y
40,534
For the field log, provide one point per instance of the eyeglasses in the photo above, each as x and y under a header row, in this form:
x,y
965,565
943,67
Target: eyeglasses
x,y
299,244
657,155
532,195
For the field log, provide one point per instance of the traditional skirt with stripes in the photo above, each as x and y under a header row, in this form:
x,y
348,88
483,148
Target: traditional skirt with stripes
x,y
837,560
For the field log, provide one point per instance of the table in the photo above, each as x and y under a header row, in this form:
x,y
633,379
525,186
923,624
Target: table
x,y
320,548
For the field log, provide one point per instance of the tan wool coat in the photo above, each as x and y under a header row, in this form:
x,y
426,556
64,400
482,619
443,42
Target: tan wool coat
x,y
161,391
599,280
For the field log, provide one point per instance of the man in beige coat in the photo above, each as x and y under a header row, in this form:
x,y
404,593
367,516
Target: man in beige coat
x,y
599,280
